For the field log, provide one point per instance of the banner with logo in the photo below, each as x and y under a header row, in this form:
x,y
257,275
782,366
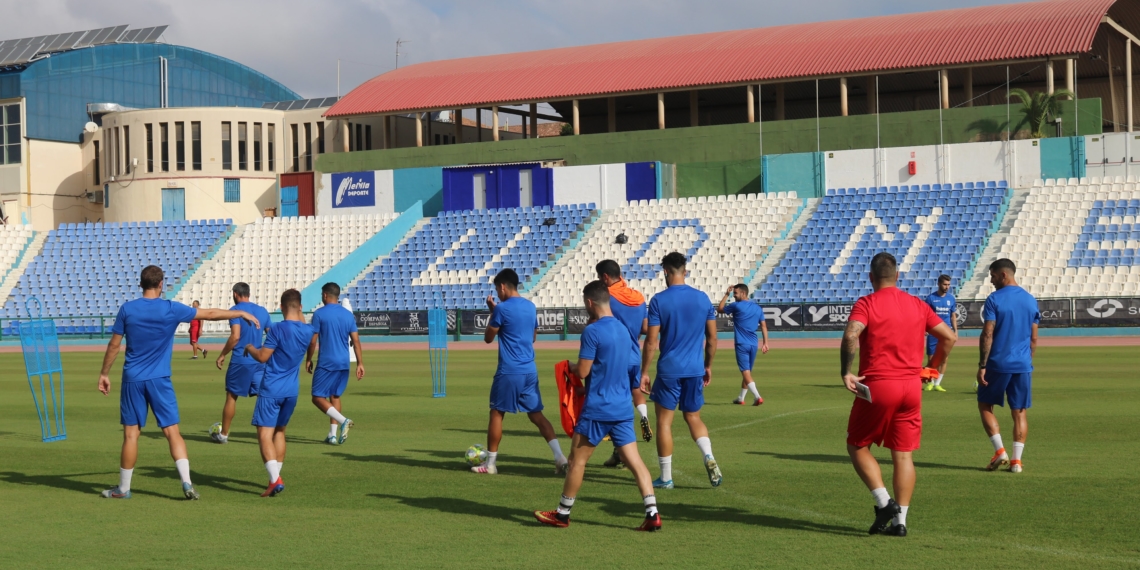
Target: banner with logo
x,y
723,322
474,322
1054,313
826,316
353,189
1106,312
550,321
408,322
373,321
576,320
969,314
783,317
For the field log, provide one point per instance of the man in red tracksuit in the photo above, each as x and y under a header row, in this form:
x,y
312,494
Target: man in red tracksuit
x,y
195,332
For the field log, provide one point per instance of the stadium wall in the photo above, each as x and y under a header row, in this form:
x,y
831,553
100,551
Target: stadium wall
x,y
393,191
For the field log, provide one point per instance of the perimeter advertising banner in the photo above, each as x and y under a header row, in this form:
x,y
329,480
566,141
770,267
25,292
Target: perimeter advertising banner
x,y
969,314
373,321
576,320
723,322
1054,313
354,189
550,321
408,322
1106,312
783,317
826,316
474,322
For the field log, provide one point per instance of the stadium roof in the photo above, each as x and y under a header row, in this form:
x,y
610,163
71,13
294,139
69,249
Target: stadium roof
x,y
948,38
25,50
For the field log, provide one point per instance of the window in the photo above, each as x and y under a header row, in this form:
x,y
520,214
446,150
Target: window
x,y
164,140
127,149
196,145
180,146
97,164
118,155
367,137
271,136
106,195
10,134
243,162
321,137
257,146
359,136
308,146
296,152
351,147
227,152
437,140
526,193
233,189
149,148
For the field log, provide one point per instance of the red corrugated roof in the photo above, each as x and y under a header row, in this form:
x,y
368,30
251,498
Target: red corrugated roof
x,y
948,37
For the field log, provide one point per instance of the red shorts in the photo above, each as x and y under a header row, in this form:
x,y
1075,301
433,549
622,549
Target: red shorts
x,y
194,333
893,418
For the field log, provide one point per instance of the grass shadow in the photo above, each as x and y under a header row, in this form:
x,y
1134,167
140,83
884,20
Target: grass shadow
x,y
705,513
206,480
483,432
66,482
825,386
454,465
594,472
846,460
375,394
452,505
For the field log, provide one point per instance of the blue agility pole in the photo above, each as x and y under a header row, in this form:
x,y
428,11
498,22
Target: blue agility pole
x,y
437,347
45,372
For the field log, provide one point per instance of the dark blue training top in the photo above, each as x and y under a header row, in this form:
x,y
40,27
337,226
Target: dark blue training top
x,y
608,387
682,313
1014,312
516,319
149,325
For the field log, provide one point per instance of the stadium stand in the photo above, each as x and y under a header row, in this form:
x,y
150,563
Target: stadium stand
x,y
725,238
14,239
275,254
87,270
931,230
1071,238
459,252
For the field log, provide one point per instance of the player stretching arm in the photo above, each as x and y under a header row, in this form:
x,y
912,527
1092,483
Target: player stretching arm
x,y
335,328
746,315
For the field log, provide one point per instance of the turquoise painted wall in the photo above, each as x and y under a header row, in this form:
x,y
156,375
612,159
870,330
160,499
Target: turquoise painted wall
x,y
802,172
419,185
1063,157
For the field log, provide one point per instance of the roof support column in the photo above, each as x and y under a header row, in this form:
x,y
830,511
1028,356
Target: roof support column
x,y
944,87
660,110
1112,90
843,96
779,101
343,126
574,117
694,109
494,123
968,86
458,118
534,120
420,129
1128,81
1069,75
479,124
751,105
1049,83
611,115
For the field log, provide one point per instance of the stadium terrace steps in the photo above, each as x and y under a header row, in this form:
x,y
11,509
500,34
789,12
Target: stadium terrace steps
x,y
777,252
19,245
205,267
549,276
560,252
977,277
407,235
206,259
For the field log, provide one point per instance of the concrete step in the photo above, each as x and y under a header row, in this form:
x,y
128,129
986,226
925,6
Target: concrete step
x,y
781,247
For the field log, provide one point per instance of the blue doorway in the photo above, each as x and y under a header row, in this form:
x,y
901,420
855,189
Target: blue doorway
x,y
173,204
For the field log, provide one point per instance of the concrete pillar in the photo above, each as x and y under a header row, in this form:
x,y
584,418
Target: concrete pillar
x,y
1115,118
872,96
1049,87
611,115
968,86
577,124
751,101
494,123
944,88
458,119
843,96
694,109
1128,82
534,120
660,110
1070,76
420,129
343,126
479,124
779,101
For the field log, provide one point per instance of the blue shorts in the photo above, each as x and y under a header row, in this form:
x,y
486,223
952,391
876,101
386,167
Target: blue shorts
x,y
243,379
273,412
745,357
685,393
1017,386
620,432
156,394
931,344
329,383
513,393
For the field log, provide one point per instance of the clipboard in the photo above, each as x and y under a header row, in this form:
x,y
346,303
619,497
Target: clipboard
x,y
862,391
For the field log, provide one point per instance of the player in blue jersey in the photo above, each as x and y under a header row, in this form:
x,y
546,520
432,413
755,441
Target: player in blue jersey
x,y
945,306
335,328
1007,345
514,321
603,360
244,373
683,322
148,324
746,317
285,347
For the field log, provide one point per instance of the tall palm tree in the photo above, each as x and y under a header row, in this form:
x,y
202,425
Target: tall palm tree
x,y
1039,107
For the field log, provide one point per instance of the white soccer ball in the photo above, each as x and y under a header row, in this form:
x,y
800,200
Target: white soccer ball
x,y
476,455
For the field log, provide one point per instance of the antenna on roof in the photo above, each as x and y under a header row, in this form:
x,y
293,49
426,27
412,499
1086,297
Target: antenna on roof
x,y
399,42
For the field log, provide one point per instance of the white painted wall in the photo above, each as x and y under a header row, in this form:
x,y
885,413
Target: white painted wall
x,y
602,184
1019,162
385,196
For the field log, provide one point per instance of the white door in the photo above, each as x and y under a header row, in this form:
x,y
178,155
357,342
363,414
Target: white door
x,y
526,195
1115,154
480,184
1094,156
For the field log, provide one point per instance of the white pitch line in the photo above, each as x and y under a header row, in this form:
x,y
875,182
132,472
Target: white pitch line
x,y
777,416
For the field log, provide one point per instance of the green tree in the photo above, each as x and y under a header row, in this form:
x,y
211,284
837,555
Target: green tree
x,y
1039,108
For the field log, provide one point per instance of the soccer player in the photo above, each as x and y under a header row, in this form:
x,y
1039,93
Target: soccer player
x,y
945,306
244,373
887,328
1007,344
285,346
603,360
680,318
149,324
195,332
628,306
514,321
334,327
746,315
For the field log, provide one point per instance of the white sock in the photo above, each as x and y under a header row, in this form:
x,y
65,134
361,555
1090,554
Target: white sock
x,y
274,469
650,505
901,517
332,413
332,430
223,437
491,457
937,382
125,479
996,440
705,446
565,505
743,393
666,464
557,449
183,466
881,496
752,388
643,410
1018,448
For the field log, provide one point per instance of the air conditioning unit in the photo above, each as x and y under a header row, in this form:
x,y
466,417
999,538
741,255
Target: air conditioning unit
x,y
95,197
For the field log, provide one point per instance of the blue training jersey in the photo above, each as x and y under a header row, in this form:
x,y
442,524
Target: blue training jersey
x,y
943,306
608,387
746,319
289,341
333,325
516,319
148,326
682,313
247,333
1014,312
631,318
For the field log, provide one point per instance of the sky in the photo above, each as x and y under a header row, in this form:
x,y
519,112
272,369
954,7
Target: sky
x,y
298,42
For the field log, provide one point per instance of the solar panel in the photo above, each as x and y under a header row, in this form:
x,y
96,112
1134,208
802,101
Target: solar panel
x,y
112,35
22,52
5,51
129,37
87,39
151,37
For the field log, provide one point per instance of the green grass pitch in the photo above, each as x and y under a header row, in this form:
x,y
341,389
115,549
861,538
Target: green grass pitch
x,y
398,494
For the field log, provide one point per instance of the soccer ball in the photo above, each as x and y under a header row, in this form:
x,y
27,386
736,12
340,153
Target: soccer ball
x,y
475,455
